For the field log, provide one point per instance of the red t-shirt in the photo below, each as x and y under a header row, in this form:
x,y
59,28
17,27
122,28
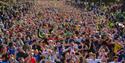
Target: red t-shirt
x,y
32,60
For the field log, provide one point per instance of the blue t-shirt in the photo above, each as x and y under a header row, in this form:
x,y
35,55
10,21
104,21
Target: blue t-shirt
x,y
37,57
11,51
5,61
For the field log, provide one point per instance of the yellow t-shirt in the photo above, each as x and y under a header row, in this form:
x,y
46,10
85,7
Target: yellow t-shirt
x,y
117,47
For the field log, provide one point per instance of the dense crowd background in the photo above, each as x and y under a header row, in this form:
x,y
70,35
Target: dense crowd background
x,y
52,35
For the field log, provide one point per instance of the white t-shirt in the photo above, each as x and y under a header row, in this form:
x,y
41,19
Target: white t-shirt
x,y
93,61
114,62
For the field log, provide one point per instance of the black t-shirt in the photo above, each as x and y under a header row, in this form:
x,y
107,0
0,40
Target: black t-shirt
x,y
36,47
21,54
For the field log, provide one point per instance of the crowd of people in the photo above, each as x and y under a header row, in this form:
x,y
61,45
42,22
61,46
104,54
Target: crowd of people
x,y
52,35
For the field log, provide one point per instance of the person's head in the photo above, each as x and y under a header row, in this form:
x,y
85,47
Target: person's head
x,y
1,48
92,55
11,44
71,61
67,54
20,49
36,51
5,57
42,57
104,59
102,50
21,59
115,58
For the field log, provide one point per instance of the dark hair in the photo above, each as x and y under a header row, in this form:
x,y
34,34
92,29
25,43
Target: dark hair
x,y
81,60
6,56
43,61
10,44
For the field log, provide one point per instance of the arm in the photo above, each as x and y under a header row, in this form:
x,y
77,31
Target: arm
x,y
107,49
100,49
90,44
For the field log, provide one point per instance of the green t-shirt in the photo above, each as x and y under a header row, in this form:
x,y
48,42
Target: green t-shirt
x,y
111,24
68,33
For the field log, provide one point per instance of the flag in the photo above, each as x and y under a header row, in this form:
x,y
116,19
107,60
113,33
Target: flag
x,y
41,34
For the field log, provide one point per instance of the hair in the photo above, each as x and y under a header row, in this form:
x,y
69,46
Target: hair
x,y
82,60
